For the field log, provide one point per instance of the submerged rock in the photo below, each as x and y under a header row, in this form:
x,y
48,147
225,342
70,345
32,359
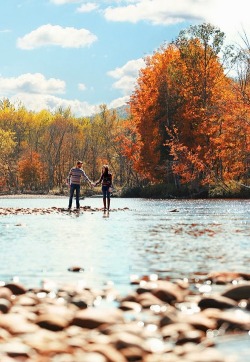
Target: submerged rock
x,y
226,277
51,210
76,269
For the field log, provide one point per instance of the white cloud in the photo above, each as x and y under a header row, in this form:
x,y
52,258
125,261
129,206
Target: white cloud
x,y
157,11
62,2
56,35
125,84
126,76
36,103
118,102
5,31
36,92
230,16
82,87
31,83
87,8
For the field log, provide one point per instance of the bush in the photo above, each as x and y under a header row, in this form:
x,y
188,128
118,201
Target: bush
x,y
156,191
131,192
229,190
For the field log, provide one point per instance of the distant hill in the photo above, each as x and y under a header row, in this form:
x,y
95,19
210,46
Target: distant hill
x,y
122,111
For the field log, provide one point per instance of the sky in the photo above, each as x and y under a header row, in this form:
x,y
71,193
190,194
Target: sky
x,y
83,53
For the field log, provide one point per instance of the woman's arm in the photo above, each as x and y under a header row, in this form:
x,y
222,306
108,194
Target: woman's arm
x,y
99,181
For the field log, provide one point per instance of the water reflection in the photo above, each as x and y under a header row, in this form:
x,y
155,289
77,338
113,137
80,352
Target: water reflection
x,y
105,214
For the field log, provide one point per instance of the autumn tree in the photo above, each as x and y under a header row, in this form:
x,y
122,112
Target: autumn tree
x,y
153,104
31,172
103,146
7,146
203,148
129,153
110,153
9,124
181,111
242,92
53,144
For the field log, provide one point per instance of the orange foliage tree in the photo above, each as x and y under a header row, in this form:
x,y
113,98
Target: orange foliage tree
x,y
187,114
127,141
31,172
152,106
209,149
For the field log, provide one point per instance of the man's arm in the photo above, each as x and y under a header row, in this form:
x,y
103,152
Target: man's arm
x,y
69,176
86,177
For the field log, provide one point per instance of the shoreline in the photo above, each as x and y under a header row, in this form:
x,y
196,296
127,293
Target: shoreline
x,y
55,196
157,321
32,196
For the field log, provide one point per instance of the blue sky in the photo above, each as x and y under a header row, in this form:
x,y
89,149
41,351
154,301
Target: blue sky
x,y
83,53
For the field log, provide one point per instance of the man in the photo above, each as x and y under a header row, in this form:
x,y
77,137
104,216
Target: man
x,y
74,181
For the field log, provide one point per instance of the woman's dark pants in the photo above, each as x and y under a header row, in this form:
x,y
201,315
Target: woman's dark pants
x,y
106,195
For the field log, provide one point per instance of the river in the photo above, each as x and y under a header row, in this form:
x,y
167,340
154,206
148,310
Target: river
x,y
171,238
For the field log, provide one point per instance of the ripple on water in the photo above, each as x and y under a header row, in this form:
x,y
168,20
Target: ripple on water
x,y
200,236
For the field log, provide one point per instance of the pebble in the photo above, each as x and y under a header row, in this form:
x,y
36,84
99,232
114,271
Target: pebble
x,y
239,292
160,321
219,302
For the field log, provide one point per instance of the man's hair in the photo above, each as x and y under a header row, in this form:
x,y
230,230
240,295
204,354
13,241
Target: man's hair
x,y
79,163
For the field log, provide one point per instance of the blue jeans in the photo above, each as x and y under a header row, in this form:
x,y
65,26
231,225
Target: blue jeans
x,y
74,187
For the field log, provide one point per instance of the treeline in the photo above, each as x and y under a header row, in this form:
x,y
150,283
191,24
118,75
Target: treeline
x,y
37,150
187,131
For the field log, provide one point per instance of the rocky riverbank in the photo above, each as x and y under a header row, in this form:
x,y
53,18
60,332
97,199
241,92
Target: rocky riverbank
x,y
158,321
49,210
32,196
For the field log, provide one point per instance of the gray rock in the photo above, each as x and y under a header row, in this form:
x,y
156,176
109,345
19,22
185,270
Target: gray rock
x,y
169,292
218,302
16,288
5,293
52,322
17,324
238,292
93,318
5,305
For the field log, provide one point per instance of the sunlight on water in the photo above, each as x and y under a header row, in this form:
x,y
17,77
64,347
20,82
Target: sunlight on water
x,y
157,238
168,237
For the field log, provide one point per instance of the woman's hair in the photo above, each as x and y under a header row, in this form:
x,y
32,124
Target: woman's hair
x,y
105,169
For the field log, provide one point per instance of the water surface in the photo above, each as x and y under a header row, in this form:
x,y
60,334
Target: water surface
x,y
173,238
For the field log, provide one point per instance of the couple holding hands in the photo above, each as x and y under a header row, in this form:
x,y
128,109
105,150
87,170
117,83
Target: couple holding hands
x,y
74,181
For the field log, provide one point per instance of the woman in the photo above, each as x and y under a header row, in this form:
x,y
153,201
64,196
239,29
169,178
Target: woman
x,y
106,181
